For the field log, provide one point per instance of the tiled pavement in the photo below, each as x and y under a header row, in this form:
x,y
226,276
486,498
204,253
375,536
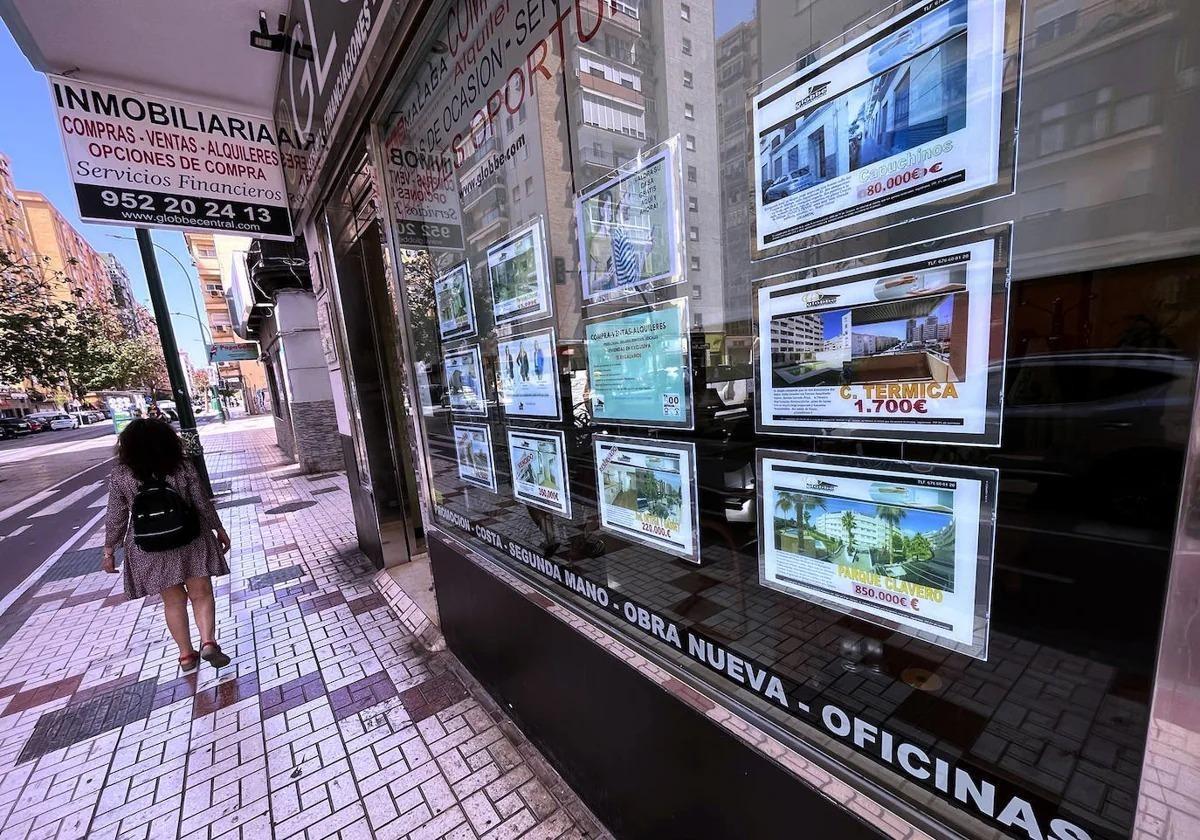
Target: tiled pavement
x,y
331,721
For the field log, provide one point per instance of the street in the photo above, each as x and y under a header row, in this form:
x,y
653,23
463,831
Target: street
x,y
51,485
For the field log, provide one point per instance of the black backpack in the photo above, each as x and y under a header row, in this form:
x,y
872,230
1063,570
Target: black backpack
x,y
161,518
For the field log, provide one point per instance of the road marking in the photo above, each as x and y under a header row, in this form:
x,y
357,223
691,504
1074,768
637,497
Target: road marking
x,y
100,502
13,510
37,573
69,500
20,530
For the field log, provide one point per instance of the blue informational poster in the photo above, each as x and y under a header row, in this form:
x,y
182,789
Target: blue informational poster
x,y
639,367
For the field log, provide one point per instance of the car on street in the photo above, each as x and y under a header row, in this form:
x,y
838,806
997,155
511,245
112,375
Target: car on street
x,y
81,418
38,422
14,427
62,422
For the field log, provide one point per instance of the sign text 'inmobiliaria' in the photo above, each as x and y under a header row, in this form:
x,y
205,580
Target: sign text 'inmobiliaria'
x,y
148,161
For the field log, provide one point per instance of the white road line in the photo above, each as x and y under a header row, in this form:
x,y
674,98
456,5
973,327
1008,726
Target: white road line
x,y
13,510
37,573
20,530
67,501
100,502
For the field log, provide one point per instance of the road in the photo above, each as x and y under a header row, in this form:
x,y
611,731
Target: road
x,y
52,485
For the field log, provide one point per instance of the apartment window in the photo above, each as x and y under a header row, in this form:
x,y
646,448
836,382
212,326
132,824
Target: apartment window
x,y
516,193
689,111
693,204
690,143
691,173
529,186
685,11
688,81
697,292
695,263
1055,20
694,233
687,46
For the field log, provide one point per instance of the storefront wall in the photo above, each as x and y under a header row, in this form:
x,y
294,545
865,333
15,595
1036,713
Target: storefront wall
x,y
753,338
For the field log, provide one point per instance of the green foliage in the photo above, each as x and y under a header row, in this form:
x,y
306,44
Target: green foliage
x,y
54,344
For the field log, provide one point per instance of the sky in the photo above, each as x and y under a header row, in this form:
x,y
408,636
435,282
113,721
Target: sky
x,y
29,136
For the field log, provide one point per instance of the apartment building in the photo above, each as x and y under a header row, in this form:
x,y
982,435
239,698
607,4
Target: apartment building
x,y
76,272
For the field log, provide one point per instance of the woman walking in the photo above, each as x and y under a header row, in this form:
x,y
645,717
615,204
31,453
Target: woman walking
x,y
174,541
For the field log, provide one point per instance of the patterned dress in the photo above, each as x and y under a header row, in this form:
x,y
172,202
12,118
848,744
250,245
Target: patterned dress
x,y
149,572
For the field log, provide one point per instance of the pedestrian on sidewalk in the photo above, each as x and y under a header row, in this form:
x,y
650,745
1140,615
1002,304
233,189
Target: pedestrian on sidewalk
x,y
154,482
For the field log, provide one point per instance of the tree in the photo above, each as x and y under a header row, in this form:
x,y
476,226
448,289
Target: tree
x,y
200,382
851,541
786,504
34,325
891,516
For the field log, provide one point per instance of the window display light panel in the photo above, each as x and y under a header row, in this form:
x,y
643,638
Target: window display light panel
x,y
904,545
913,116
518,277
907,344
629,227
527,376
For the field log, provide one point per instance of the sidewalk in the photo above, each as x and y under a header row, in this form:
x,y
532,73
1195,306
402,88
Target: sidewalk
x,y
332,720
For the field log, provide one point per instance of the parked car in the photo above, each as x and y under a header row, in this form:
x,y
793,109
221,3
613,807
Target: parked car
x,y
97,416
38,422
62,422
14,427
81,418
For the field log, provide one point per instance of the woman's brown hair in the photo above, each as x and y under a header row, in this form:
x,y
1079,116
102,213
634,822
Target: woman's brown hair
x,y
150,448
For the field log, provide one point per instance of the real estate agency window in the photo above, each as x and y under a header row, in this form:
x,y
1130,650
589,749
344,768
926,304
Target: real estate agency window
x,y
901,380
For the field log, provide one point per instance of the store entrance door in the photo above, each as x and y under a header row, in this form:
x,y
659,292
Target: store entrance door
x,y
386,491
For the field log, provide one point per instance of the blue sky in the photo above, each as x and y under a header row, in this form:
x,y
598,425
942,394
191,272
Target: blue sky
x,y
29,137
832,322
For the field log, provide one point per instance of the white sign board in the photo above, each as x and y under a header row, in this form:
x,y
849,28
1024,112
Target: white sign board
x,y
148,161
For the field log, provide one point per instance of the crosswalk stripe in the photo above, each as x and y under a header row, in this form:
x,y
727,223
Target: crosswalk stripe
x,y
68,500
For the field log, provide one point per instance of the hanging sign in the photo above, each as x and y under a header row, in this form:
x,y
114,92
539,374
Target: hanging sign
x,y
148,161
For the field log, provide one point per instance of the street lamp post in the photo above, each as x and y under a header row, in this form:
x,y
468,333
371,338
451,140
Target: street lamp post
x,y
216,387
179,385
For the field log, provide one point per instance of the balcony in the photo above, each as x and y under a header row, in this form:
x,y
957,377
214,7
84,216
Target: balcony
x,y
601,85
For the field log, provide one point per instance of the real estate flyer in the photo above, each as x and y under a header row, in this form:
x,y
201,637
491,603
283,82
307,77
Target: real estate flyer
x,y
646,492
464,380
905,348
628,231
455,303
907,114
639,366
473,447
908,546
539,469
518,277
527,375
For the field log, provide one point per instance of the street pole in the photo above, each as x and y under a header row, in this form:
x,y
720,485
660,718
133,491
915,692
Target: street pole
x,y
179,384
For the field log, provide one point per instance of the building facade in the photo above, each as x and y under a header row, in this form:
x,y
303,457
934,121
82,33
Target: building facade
x,y
75,271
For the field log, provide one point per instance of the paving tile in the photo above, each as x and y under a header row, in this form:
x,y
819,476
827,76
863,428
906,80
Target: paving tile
x,y
331,720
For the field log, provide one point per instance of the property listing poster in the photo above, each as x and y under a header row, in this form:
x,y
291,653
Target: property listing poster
x,y
907,348
527,376
473,448
647,493
455,303
905,546
639,367
628,231
518,277
907,114
464,380
539,469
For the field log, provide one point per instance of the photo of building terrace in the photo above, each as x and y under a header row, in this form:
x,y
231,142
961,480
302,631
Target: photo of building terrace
x,y
909,340
905,543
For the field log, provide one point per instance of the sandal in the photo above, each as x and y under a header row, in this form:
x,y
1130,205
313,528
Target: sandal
x,y
211,653
188,662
